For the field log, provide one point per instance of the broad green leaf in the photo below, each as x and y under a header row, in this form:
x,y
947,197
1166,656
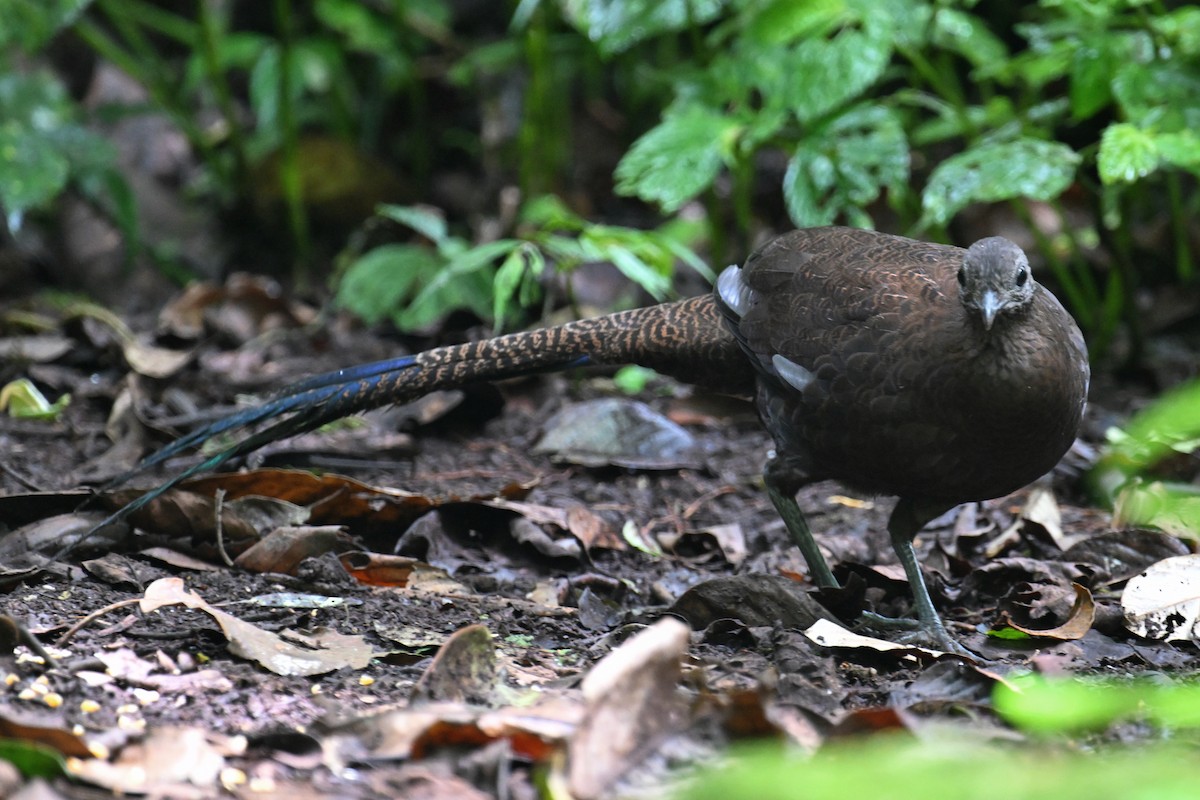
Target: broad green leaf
x,y
32,170
1181,149
32,23
464,281
1162,94
1127,153
424,220
967,35
907,23
33,759
1181,28
616,25
1028,168
382,280
363,29
638,271
1068,705
825,73
472,291
633,379
1091,79
785,21
1166,428
952,766
678,159
846,166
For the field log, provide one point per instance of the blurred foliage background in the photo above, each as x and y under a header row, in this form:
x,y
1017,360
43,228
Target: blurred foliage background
x,y
457,152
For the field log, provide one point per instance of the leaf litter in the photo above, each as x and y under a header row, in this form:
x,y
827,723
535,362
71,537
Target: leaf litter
x,y
476,615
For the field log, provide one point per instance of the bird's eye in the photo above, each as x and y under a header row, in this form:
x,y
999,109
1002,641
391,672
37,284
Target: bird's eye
x,y
962,277
1022,277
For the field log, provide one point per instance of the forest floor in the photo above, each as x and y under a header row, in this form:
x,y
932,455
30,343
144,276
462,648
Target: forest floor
x,y
442,609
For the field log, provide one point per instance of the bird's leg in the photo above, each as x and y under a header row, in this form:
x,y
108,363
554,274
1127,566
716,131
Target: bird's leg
x,y
782,484
906,521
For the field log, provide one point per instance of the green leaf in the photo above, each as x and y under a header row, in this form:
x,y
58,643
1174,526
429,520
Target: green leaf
x,y
522,263
952,766
823,74
363,29
633,267
23,400
425,220
1180,149
785,21
32,170
1029,168
846,166
465,281
1127,154
633,379
968,36
1181,29
33,759
1161,94
1091,74
678,159
32,23
617,25
382,280
1069,705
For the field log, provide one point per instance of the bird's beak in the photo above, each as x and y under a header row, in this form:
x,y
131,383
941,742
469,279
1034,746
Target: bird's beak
x,y
989,306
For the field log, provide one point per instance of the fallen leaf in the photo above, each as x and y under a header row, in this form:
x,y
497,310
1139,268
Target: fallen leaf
x,y
283,549
619,432
830,634
263,647
464,669
633,700
1164,601
1079,619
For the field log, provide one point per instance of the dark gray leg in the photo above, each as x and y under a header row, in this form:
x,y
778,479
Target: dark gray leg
x,y
782,485
906,521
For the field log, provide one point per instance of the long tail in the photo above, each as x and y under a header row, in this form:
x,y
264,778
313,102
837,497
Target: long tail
x,y
687,340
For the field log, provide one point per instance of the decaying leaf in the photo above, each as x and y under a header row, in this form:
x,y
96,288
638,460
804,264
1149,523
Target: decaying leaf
x,y
1079,619
830,634
1164,601
632,699
619,432
264,647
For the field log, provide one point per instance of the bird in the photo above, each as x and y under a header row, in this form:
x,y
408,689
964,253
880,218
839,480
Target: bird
x,y
929,372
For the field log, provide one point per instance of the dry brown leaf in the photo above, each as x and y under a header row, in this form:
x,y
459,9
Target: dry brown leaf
x,y
256,644
283,549
464,670
1079,620
633,700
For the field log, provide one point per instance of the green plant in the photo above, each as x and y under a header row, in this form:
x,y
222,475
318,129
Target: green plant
x,y
1134,474
855,93
44,144
415,285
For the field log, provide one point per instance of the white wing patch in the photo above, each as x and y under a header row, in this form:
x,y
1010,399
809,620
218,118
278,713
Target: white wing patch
x,y
733,292
792,373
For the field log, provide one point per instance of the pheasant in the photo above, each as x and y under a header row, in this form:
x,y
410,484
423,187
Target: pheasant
x,y
897,367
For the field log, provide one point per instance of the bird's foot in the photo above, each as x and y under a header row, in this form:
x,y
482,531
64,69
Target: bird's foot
x,y
916,633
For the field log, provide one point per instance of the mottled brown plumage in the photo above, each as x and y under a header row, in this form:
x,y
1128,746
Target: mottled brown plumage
x,y
936,374
933,373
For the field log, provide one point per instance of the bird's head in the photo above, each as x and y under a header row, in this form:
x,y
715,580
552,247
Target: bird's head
x,y
994,279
